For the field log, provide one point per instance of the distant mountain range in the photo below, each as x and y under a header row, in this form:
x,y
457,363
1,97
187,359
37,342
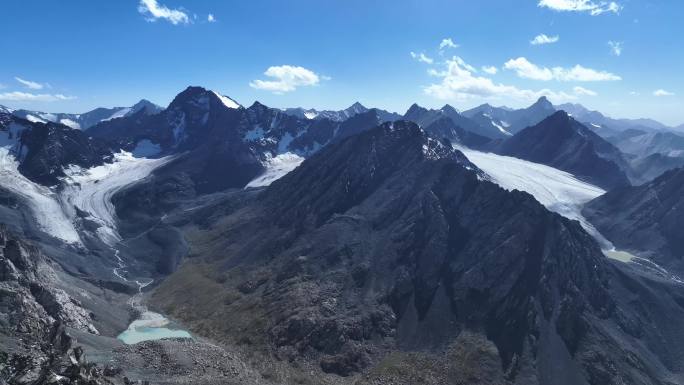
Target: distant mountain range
x,y
595,119
198,119
88,119
510,120
339,116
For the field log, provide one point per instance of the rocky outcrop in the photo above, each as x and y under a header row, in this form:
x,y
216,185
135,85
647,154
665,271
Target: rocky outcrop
x,y
35,347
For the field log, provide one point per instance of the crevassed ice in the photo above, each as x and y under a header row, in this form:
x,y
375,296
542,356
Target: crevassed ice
x,y
91,190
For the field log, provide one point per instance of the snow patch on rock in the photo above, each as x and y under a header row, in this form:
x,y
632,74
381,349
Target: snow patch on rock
x,y
276,168
228,102
70,123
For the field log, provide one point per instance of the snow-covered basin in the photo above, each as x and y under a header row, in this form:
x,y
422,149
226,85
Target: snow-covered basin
x,y
557,190
150,326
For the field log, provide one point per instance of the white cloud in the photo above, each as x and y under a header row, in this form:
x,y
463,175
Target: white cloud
x,y
459,83
287,78
581,91
615,47
525,69
593,7
490,70
211,18
544,39
155,11
29,84
528,70
421,57
18,96
447,43
634,93
662,92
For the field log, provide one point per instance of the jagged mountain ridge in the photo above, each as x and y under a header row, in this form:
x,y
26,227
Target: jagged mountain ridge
x,y
425,118
387,243
512,121
88,119
341,115
44,150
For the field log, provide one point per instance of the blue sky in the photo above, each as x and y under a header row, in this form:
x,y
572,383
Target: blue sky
x,y
75,55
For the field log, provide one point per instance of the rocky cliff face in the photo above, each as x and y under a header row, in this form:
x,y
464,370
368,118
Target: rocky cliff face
x,y
388,250
35,347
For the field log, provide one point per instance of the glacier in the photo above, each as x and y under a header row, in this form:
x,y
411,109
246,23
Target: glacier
x,y
557,190
91,190
41,201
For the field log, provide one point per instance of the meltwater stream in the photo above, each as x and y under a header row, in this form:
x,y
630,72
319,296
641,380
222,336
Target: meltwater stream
x,y
149,325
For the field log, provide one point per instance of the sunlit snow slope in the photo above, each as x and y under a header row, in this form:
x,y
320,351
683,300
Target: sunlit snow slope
x,y
42,202
276,168
558,190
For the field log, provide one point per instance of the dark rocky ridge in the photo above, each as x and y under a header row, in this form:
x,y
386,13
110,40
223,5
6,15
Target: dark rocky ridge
x,y
35,347
388,244
445,128
45,149
647,220
561,142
